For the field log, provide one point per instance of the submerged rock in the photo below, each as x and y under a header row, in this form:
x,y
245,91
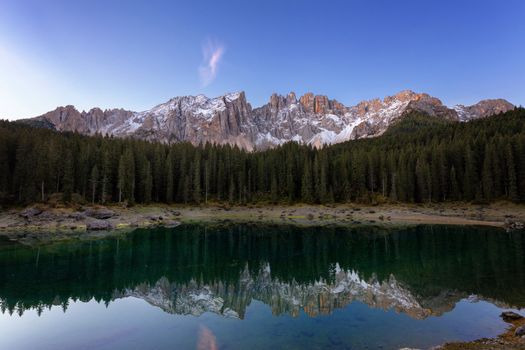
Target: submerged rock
x,y
513,225
95,225
509,316
170,223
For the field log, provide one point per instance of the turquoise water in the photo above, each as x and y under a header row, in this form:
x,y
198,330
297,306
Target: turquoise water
x,y
259,287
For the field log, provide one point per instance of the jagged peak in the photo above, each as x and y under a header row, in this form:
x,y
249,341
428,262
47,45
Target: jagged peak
x,y
66,108
234,95
501,101
198,100
406,95
489,101
94,110
288,95
229,118
483,108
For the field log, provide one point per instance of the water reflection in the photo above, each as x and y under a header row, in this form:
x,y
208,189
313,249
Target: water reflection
x,y
207,340
190,270
314,298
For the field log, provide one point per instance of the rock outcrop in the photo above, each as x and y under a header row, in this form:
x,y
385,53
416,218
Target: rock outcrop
x,y
68,118
483,108
230,119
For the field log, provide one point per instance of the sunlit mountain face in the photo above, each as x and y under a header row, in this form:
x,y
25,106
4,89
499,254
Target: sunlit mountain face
x,y
229,119
190,270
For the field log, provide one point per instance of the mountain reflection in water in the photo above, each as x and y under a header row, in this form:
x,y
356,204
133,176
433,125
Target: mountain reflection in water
x,y
192,269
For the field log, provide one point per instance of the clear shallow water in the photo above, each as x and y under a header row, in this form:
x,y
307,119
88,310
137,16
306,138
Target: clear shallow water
x,y
238,287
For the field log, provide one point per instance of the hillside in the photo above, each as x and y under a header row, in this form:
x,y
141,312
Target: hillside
x,y
418,160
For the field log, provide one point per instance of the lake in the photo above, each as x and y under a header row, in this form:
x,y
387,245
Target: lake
x,y
234,286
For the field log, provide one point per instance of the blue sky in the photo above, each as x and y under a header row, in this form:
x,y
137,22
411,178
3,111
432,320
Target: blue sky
x,y
135,55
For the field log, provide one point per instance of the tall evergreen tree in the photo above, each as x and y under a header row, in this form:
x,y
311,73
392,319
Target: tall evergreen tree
x,y
169,178
511,171
69,175
127,177
470,181
94,182
307,183
197,190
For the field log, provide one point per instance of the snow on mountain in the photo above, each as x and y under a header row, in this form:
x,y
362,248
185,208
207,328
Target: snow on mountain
x,y
315,298
483,108
230,119
320,297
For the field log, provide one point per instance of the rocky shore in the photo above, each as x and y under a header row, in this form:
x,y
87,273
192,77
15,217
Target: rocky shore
x,y
44,223
512,339
40,223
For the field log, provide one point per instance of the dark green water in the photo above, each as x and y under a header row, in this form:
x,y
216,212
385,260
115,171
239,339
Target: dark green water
x,y
258,287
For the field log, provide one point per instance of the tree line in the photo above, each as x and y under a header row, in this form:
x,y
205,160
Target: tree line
x,y
425,261
420,159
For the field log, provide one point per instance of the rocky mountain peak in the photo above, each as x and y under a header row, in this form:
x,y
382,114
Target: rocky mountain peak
x,y
278,101
483,108
291,98
406,95
312,119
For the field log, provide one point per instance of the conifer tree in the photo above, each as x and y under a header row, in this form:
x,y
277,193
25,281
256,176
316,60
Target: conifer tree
x,y
487,179
169,178
197,178
470,181
69,174
454,186
480,160
148,183
94,182
307,183
126,176
511,171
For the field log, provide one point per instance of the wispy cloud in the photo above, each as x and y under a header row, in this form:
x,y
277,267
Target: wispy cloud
x,y
212,53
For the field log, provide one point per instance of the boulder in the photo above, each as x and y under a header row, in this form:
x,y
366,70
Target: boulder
x,y
511,225
96,225
170,223
520,331
47,216
30,212
100,213
509,316
77,216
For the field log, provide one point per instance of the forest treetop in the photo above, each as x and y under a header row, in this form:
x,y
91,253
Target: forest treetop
x,y
419,159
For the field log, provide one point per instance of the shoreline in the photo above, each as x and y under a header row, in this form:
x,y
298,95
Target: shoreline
x,y
508,340
42,223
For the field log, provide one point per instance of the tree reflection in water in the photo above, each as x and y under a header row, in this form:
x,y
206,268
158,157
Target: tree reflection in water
x,y
192,269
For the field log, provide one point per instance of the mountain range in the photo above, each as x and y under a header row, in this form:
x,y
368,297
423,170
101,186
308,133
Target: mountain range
x,y
317,298
230,119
